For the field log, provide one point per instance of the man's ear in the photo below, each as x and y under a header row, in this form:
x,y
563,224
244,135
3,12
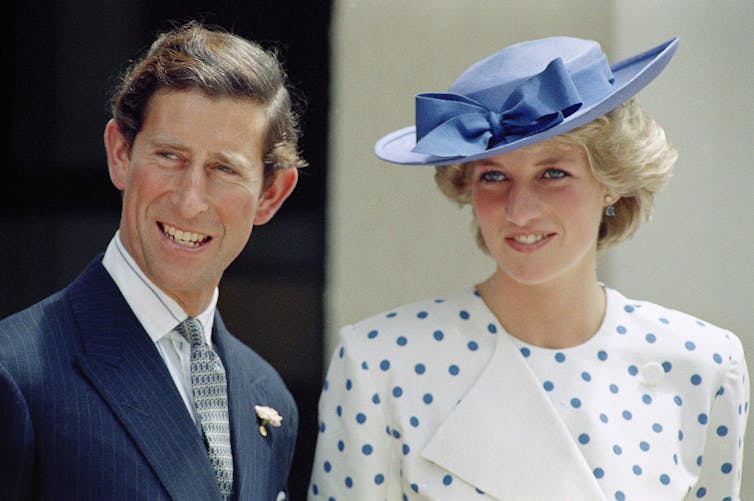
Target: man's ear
x,y
117,148
274,196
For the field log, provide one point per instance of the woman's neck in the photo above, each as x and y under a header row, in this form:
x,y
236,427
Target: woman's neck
x,y
560,314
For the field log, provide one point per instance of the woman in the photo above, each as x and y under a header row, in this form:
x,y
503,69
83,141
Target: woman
x,y
540,382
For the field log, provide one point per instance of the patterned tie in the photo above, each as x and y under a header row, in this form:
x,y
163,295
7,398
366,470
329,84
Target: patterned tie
x,y
211,402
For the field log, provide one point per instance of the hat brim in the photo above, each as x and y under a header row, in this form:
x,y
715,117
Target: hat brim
x,y
631,75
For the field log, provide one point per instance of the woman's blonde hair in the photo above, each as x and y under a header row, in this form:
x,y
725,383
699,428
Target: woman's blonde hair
x,y
628,153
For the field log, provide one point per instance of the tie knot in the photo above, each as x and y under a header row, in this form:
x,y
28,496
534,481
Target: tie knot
x,y
191,329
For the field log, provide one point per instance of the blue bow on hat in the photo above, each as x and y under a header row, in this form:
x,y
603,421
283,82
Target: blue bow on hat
x,y
451,124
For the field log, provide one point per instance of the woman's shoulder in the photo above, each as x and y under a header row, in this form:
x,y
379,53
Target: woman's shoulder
x,y
655,323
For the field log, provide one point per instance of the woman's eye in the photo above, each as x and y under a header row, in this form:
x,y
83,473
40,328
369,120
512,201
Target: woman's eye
x,y
492,176
555,174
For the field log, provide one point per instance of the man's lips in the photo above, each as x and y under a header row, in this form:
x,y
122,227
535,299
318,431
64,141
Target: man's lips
x,y
184,238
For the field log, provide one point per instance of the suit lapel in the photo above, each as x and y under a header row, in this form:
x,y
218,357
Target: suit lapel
x,y
122,363
506,438
252,453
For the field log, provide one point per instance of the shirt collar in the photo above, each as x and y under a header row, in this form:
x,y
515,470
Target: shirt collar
x,y
157,312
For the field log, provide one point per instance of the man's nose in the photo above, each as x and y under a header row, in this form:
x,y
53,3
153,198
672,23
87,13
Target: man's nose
x,y
190,194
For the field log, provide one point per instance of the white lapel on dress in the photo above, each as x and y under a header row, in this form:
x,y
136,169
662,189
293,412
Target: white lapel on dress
x,y
506,438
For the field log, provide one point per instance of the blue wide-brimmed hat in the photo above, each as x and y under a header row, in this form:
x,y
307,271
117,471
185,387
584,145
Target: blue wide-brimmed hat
x,y
520,95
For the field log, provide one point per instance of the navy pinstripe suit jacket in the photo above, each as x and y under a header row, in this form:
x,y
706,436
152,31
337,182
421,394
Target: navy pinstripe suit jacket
x,y
88,409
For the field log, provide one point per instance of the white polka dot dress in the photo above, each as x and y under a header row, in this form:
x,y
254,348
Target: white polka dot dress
x,y
654,405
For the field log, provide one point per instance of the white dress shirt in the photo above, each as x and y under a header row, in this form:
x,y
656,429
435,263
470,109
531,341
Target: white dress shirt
x,y
159,314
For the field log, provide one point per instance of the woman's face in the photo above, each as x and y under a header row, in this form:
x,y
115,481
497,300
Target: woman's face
x,y
539,211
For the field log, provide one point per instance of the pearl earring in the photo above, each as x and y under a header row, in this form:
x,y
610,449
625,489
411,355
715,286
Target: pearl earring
x,y
610,209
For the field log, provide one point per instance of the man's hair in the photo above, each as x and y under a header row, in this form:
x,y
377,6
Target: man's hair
x,y
219,64
628,153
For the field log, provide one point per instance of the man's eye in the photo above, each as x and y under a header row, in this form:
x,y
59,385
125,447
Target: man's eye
x,y
226,169
555,174
169,155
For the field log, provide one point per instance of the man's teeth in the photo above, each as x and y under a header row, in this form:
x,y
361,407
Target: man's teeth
x,y
529,239
185,238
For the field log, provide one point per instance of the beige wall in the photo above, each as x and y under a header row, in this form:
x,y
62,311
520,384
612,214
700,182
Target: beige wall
x,y
393,238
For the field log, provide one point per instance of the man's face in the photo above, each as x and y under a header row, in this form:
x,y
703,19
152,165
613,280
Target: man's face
x,y
193,189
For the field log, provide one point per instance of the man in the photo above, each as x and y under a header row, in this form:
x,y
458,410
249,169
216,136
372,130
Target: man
x,y
126,384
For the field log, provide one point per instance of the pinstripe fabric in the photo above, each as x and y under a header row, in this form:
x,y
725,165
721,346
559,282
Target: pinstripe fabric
x,y
88,409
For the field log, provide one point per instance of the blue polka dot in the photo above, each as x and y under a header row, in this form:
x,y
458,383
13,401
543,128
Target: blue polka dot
x,y
599,472
680,435
341,445
701,492
647,399
366,449
617,450
702,418
722,431
619,496
717,358
385,365
401,341
422,314
560,357
327,467
720,391
349,482
602,355
361,418
583,439
613,388
576,403
415,488
397,391
657,427
349,385
525,351
726,468
627,415
666,366
628,308
699,461
636,469
447,480
420,369
315,489
439,335
664,479
696,379
375,399
586,376
379,478
473,346
651,338
392,314
644,446
364,366
491,329
372,334
322,427
339,411
633,370
405,449
341,352
414,421
427,398
454,370
464,314
664,320
620,329
548,386
325,385
690,346
675,458
678,400
603,417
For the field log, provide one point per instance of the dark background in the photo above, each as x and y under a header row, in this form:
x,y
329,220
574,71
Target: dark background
x,y
58,208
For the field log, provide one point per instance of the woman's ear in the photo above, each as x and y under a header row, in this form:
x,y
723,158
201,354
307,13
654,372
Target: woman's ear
x,y
118,160
273,197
